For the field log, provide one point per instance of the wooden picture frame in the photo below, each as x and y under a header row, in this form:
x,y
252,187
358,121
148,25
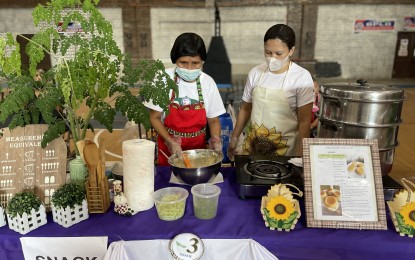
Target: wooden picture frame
x,y
343,184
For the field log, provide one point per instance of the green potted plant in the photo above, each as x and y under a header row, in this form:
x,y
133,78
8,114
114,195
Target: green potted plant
x,y
25,212
95,74
69,205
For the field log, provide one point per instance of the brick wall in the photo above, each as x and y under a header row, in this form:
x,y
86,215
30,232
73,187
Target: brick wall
x,y
367,55
324,29
242,29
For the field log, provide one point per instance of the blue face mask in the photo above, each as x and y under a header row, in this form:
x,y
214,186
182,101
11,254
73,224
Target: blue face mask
x,y
188,75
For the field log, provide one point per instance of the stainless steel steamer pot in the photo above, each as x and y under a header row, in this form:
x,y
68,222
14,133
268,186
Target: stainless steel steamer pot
x,y
362,111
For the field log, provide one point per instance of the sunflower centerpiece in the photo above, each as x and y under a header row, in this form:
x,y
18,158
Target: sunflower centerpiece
x,y
402,209
279,208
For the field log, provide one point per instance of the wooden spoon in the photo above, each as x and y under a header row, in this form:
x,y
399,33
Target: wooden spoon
x,y
91,155
81,145
101,162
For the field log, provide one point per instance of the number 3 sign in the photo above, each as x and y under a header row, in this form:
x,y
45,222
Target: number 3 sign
x,y
186,246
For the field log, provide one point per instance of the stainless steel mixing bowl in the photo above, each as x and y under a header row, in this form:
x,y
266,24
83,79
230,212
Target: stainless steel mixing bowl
x,y
205,163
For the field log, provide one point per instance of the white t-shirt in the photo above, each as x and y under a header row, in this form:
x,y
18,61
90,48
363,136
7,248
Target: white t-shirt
x,y
298,84
213,102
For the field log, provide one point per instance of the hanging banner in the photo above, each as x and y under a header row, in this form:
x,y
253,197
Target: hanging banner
x,y
374,25
409,23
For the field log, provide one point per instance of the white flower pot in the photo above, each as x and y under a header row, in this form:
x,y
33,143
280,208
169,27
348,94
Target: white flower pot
x,y
28,222
69,216
2,217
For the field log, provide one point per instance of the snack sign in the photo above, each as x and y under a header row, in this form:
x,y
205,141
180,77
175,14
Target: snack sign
x,y
374,25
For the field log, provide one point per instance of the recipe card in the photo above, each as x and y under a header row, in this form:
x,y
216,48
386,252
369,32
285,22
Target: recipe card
x,y
342,179
343,183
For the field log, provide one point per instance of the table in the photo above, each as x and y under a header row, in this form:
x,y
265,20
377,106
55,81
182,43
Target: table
x,y
236,219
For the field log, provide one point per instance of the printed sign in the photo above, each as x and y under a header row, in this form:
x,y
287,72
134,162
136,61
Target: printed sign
x,y
43,248
409,23
403,48
25,165
374,25
73,27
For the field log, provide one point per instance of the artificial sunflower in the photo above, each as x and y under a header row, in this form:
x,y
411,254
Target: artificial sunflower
x,y
280,208
408,214
262,140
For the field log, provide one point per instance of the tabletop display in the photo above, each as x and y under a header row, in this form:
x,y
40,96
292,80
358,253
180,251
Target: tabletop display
x,y
236,219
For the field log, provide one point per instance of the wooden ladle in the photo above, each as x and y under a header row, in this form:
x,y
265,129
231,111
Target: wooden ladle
x,y
91,155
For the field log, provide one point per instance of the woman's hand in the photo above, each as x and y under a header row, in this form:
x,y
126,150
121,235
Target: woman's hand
x,y
174,145
215,143
233,142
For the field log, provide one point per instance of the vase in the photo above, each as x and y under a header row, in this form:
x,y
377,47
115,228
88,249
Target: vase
x,y
78,171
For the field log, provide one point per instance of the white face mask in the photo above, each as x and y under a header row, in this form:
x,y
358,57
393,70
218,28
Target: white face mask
x,y
275,64
188,75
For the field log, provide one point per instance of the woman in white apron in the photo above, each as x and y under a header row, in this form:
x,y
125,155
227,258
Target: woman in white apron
x,y
277,101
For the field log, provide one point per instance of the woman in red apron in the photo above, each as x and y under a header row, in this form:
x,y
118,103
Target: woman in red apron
x,y
196,104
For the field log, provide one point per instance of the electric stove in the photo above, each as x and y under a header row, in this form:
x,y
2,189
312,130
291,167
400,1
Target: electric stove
x,y
256,174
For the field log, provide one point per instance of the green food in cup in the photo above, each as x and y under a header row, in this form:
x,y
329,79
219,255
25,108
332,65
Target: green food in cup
x,y
205,208
167,209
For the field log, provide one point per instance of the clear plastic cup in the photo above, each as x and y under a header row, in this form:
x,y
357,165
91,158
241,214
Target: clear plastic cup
x,y
205,200
170,202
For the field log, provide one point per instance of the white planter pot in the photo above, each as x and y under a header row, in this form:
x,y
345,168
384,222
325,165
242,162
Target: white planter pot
x,y
69,216
2,217
28,222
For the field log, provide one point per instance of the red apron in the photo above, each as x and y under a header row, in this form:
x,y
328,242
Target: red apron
x,y
188,122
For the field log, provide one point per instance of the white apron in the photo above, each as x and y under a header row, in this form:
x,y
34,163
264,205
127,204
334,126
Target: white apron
x,y
274,127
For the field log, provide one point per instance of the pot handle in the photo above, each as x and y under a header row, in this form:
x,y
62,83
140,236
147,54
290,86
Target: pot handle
x,y
328,125
362,83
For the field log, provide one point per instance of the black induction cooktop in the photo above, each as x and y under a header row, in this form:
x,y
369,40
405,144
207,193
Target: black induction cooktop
x,y
256,174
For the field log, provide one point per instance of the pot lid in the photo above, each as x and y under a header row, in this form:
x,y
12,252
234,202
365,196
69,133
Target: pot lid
x,y
361,91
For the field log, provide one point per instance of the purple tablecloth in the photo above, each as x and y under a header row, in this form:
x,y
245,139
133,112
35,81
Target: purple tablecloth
x,y
236,219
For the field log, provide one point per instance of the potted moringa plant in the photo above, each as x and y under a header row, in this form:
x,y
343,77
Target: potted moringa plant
x,y
89,69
